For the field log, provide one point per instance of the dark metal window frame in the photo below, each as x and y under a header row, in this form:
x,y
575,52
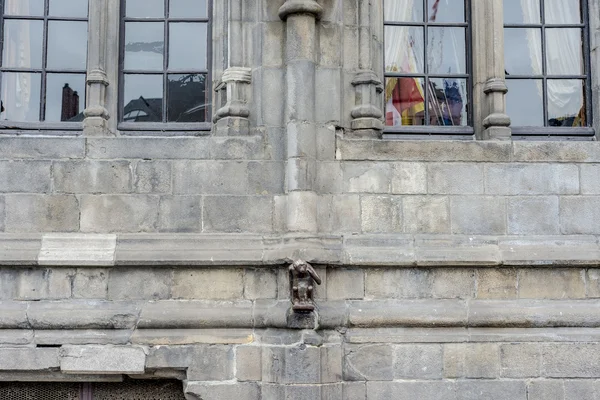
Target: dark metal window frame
x,y
552,131
140,128
454,132
43,71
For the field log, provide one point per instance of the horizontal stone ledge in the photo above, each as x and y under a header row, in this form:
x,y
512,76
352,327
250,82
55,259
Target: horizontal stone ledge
x,y
380,250
102,359
55,376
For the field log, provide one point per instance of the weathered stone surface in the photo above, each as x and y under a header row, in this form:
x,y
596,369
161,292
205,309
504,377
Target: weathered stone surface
x,y
407,313
20,249
298,364
25,176
491,390
152,177
484,215
409,178
345,284
77,249
525,179
381,214
361,177
39,284
521,360
113,213
426,214
28,359
411,390
418,361
578,215
238,214
533,216
14,315
368,363
553,284
180,214
82,314
248,366
40,213
148,148
102,359
354,391
92,176
546,390
239,391
573,360
580,389
139,284
210,177
217,284
260,284
158,337
18,147
454,178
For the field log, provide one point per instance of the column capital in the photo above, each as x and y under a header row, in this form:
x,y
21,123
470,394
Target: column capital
x,y
300,7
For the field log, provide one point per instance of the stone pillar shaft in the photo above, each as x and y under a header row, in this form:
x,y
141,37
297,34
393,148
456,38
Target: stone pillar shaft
x,y
490,84
96,114
301,34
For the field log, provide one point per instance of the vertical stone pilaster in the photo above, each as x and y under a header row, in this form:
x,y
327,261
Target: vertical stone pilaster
x,y
300,59
232,118
96,115
594,16
491,121
366,115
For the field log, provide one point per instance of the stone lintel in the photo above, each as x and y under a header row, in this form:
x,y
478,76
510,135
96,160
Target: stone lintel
x,y
102,360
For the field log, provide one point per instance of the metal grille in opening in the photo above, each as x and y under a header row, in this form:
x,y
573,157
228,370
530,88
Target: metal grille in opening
x,y
39,391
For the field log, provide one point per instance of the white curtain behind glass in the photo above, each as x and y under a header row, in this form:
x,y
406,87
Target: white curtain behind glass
x,y
563,54
399,54
16,88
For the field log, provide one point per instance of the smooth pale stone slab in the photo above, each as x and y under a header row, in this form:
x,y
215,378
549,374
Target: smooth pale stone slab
x,y
102,360
78,249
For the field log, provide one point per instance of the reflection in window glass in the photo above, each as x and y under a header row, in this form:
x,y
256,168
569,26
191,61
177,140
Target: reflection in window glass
x,y
446,51
143,98
564,54
562,11
22,43
24,7
566,102
175,90
401,58
549,52
522,11
144,45
145,8
186,98
69,8
21,93
404,11
188,9
448,104
523,51
524,102
65,95
44,60
67,44
446,10
187,42
427,80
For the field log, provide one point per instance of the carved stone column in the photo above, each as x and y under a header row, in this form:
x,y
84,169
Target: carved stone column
x,y
232,118
490,84
96,115
366,115
301,35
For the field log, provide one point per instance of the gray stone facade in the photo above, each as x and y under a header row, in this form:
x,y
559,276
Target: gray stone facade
x,y
452,269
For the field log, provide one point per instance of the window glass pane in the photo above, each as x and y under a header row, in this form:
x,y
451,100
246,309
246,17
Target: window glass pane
x,y
24,7
566,104
21,96
404,10
446,51
522,12
446,10
186,98
145,8
22,44
404,101
67,44
564,51
187,45
524,103
448,101
188,9
562,11
143,98
523,51
65,97
144,45
69,8
404,49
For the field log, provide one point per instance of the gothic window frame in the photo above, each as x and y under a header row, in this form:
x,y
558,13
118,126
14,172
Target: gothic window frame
x,y
143,128
587,131
432,131
50,127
